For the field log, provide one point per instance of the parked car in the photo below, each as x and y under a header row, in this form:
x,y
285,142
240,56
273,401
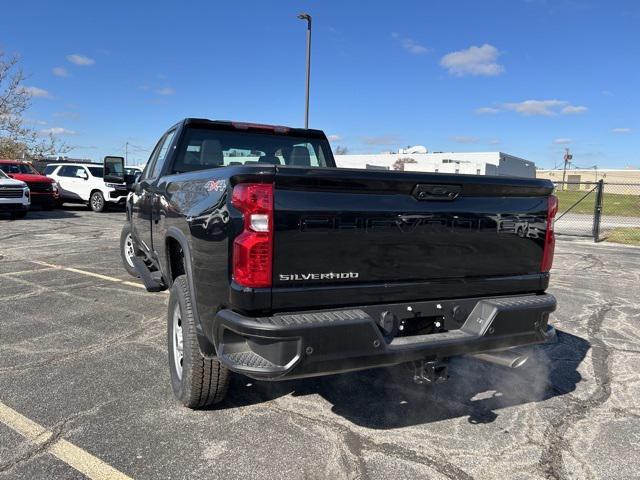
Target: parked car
x,y
282,266
44,190
133,171
15,197
85,183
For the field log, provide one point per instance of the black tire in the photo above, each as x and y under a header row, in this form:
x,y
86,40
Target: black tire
x,y
125,238
96,202
18,215
204,380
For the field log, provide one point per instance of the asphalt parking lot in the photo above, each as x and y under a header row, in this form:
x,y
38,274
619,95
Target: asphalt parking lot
x,y
84,383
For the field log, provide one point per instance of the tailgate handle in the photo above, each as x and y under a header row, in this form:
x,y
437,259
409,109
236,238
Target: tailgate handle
x,y
436,192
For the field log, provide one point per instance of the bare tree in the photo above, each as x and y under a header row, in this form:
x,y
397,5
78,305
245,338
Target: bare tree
x,y
17,140
341,150
400,163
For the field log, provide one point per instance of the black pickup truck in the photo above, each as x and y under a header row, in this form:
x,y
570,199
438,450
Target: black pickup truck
x,y
283,266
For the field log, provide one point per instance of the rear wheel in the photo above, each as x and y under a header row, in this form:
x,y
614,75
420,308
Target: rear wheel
x,y
197,381
128,249
96,202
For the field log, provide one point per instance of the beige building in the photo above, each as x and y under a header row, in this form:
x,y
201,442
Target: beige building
x,y
590,176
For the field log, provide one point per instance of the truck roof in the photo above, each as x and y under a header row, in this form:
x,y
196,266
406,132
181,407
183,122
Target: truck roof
x,y
237,125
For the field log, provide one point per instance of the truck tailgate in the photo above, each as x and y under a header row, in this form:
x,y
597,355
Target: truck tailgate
x,y
347,228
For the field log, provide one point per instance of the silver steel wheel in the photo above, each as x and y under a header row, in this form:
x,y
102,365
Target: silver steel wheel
x,y
129,251
96,201
177,343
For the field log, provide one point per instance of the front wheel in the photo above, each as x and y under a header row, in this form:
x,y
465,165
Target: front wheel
x,y
128,250
197,381
96,202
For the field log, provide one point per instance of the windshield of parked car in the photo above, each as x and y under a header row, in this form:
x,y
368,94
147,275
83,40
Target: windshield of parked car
x,y
18,168
97,171
3,175
208,148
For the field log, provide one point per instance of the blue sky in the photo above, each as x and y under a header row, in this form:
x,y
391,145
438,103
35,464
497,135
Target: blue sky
x,y
524,77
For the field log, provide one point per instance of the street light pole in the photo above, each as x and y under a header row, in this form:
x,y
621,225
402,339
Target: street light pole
x,y
307,17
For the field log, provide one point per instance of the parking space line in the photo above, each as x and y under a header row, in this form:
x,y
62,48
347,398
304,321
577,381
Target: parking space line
x,y
22,272
90,274
89,465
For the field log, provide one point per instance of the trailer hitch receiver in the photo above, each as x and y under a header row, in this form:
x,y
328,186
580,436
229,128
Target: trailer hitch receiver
x,y
429,372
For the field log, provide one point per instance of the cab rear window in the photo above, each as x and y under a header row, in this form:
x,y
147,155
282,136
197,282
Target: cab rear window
x,y
204,148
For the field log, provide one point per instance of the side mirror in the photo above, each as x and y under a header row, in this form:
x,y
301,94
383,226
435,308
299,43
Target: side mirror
x,y
114,169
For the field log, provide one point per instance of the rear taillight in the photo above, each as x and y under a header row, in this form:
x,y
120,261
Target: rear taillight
x,y
253,248
550,236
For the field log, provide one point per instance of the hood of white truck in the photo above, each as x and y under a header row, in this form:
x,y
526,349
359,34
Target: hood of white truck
x,y
10,182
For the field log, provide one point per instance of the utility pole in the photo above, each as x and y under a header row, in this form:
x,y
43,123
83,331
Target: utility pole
x,y
307,17
567,159
126,153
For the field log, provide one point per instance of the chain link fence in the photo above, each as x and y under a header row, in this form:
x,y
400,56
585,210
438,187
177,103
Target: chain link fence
x,y
599,210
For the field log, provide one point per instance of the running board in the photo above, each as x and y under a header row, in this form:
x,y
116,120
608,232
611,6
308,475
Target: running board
x,y
152,280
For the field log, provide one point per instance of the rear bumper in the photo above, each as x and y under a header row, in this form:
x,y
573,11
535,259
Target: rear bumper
x,y
325,342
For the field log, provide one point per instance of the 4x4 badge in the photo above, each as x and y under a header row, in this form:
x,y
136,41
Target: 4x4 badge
x,y
215,185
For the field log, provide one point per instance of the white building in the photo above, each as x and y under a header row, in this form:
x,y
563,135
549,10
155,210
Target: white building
x,y
472,163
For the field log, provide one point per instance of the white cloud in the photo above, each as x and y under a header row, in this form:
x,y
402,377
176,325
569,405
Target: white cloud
x,y
621,130
410,45
414,47
536,107
81,60
334,138
36,92
70,115
385,139
34,121
545,107
60,72
165,91
574,109
464,139
485,110
473,61
562,141
57,131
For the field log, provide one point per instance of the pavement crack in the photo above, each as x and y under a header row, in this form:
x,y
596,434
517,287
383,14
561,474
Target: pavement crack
x,y
130,337
358,443
551,461
40,446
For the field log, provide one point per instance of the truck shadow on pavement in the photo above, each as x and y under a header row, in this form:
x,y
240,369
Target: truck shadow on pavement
x,y
388,398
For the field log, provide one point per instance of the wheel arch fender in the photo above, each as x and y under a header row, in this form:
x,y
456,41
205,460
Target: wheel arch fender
x,y
174,233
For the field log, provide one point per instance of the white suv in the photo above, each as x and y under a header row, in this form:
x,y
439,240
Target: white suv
x,y
83,183
15,197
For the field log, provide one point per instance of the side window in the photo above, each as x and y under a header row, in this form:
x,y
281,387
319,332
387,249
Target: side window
x,y
67,171
163,151
49,169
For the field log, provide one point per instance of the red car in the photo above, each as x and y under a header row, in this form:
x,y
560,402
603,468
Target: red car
x,y
44,190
